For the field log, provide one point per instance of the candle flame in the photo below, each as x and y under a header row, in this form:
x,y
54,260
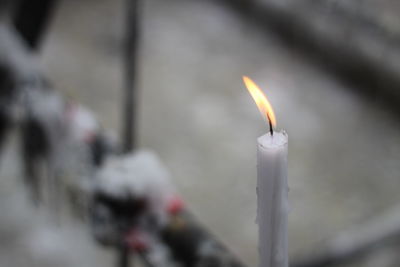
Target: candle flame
x,y
261,100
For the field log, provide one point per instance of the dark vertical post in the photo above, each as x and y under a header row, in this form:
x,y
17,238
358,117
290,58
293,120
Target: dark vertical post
x,y
128,123
31,18
123,256
130,60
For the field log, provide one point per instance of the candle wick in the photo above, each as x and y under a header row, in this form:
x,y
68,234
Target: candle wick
x,y
271,129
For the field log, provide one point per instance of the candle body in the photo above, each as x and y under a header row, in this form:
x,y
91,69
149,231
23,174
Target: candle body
x,y
272,199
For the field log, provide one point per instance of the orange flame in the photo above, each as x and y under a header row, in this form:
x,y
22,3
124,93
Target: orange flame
x,y
261,100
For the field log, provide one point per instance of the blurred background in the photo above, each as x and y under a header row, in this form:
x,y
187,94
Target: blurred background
x,y
330,69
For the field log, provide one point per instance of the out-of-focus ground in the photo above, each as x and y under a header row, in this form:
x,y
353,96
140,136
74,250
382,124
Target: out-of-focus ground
x,y
196,114
381,14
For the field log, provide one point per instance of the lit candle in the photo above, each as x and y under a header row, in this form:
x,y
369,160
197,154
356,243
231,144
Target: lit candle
x,y
272,188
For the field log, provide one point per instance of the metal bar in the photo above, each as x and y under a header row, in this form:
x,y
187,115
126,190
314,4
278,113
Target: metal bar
x,y
123,259
130,65
191,244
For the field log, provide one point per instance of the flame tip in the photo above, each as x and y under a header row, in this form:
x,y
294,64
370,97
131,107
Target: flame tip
x,y
261,100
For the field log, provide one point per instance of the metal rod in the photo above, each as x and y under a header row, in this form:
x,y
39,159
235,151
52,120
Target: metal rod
x,y
130,65
186,238
123,259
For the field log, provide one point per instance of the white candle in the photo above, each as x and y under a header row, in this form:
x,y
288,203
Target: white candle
x,y
272,199
272,188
